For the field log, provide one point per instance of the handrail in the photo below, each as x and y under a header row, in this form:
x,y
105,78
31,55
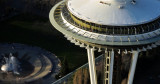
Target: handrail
x,y
115,30
66,77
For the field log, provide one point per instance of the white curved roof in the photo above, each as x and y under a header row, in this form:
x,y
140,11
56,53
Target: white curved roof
x,y
115,12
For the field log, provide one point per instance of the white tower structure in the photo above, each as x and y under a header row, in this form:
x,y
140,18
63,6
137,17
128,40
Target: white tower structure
x,y
118,28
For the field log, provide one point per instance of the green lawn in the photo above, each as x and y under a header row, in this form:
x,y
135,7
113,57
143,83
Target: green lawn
x,y
37,31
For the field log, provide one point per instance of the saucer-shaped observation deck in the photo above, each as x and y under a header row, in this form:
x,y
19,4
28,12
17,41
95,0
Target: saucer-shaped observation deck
x,y
100,23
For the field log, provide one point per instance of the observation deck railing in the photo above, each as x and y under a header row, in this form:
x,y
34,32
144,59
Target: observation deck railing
x,y
109,30
64,19
66,22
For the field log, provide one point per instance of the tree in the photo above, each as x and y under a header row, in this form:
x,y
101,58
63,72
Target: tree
x,y
3,1
64,67
81,76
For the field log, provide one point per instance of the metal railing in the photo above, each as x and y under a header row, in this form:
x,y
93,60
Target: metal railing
x,y
64,79
109,30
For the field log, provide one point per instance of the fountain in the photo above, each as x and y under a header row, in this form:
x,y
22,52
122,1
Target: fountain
x,y
11,65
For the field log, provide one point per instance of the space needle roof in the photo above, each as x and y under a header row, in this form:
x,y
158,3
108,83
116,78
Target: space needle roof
x,y
115,12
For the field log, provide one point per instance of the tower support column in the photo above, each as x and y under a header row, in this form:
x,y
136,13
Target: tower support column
x,y
92,68
111,67
132,67
109,63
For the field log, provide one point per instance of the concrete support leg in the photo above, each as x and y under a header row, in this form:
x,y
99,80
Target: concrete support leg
x,y
132,67
111,67
92,69
109,63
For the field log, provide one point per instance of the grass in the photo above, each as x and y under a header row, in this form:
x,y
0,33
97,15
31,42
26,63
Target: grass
x,y
37,31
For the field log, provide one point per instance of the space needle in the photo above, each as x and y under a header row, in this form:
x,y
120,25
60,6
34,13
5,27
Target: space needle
x,y
120,29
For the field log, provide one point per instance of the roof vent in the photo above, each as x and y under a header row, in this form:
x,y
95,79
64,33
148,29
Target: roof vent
x,y
121,7
133,2
102,2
